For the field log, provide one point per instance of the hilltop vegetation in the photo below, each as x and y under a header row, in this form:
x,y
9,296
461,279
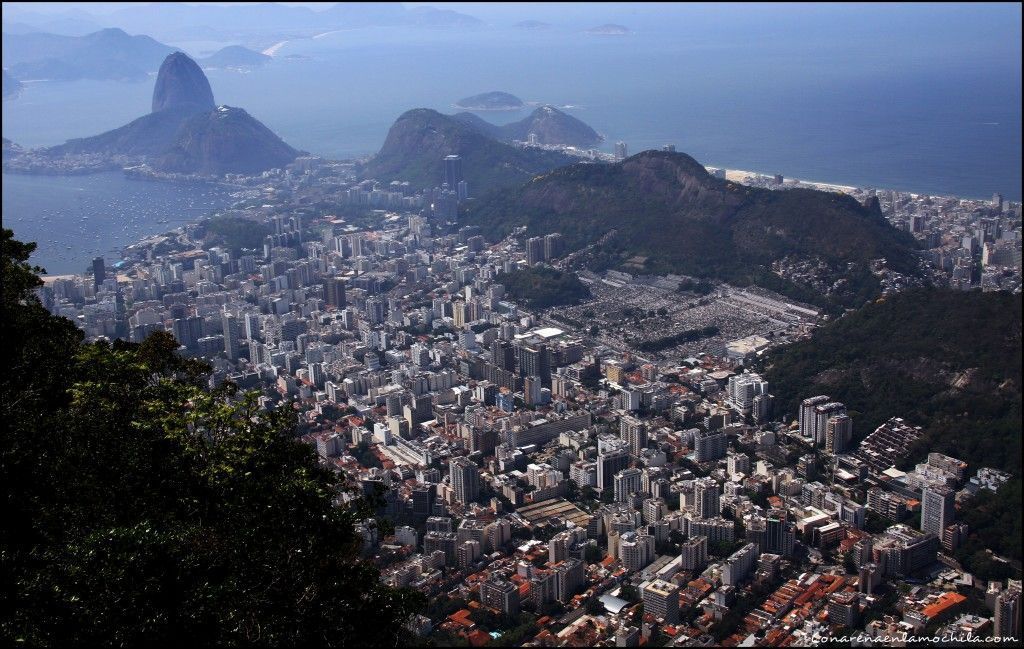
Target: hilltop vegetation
x,y
547,124
667,208
417,143
947,361
540,287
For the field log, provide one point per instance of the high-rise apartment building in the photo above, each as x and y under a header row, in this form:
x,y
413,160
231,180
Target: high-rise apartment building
x,y
465,479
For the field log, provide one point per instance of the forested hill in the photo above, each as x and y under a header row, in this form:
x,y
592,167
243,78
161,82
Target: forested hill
x,y
419,140
947,361
666,208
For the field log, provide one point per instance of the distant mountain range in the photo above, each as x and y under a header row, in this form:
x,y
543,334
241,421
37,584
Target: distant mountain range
x,y
185,21
668,211
547,123
417,143
187,133
109,54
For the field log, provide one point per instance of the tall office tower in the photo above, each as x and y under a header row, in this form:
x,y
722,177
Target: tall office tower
x,y
738,463
822,413
232,333
375,310
459,313
844,609
532,394
499,594
1007,618
695,553
334,292
806,415
554,246
453,172
936,509
710,445
625,483
463,190
744,387
571,577
99,272
669,148
503,355
636,551
534,250
838,433
997,201
634,433
252,326
620,151
661,599
780,534
188,331
536,361
465,479
608,464
558,548
706,498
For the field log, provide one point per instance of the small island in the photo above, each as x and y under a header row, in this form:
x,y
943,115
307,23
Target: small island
x,y
235,56
610,30
532,25
491,101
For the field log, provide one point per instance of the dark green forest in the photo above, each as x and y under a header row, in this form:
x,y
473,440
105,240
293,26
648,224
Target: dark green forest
x,y
141,508
948,361
540,287
666,208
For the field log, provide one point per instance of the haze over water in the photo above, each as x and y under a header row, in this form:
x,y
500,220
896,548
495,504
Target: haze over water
x,y
923,98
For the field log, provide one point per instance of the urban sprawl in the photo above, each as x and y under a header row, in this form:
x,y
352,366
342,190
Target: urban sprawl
x,y
542,478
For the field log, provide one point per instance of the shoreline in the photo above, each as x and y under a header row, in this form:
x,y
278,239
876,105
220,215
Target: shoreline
x,y
732,175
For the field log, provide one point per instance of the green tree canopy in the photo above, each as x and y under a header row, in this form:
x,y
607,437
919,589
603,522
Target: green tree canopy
x,y
142,508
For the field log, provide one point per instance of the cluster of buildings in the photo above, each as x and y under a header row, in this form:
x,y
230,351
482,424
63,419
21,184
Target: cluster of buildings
x,y
539,481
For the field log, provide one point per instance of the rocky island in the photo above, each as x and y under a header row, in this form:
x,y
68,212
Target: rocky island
x,y
186,133
495,100
610,30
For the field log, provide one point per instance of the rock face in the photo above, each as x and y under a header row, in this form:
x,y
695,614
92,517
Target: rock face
x,y
182,86
225,140
417,143
187,133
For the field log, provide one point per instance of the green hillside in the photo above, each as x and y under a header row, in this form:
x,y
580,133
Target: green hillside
x,y
420,139
947,361
667,208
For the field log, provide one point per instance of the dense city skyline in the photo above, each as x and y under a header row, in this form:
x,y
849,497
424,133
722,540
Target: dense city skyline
x,y
506,382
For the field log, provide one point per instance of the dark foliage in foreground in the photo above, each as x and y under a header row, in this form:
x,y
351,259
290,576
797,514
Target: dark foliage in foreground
x,y
141,508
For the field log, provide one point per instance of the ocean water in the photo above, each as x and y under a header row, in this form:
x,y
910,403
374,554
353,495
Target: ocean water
x,y
923,98
73,219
